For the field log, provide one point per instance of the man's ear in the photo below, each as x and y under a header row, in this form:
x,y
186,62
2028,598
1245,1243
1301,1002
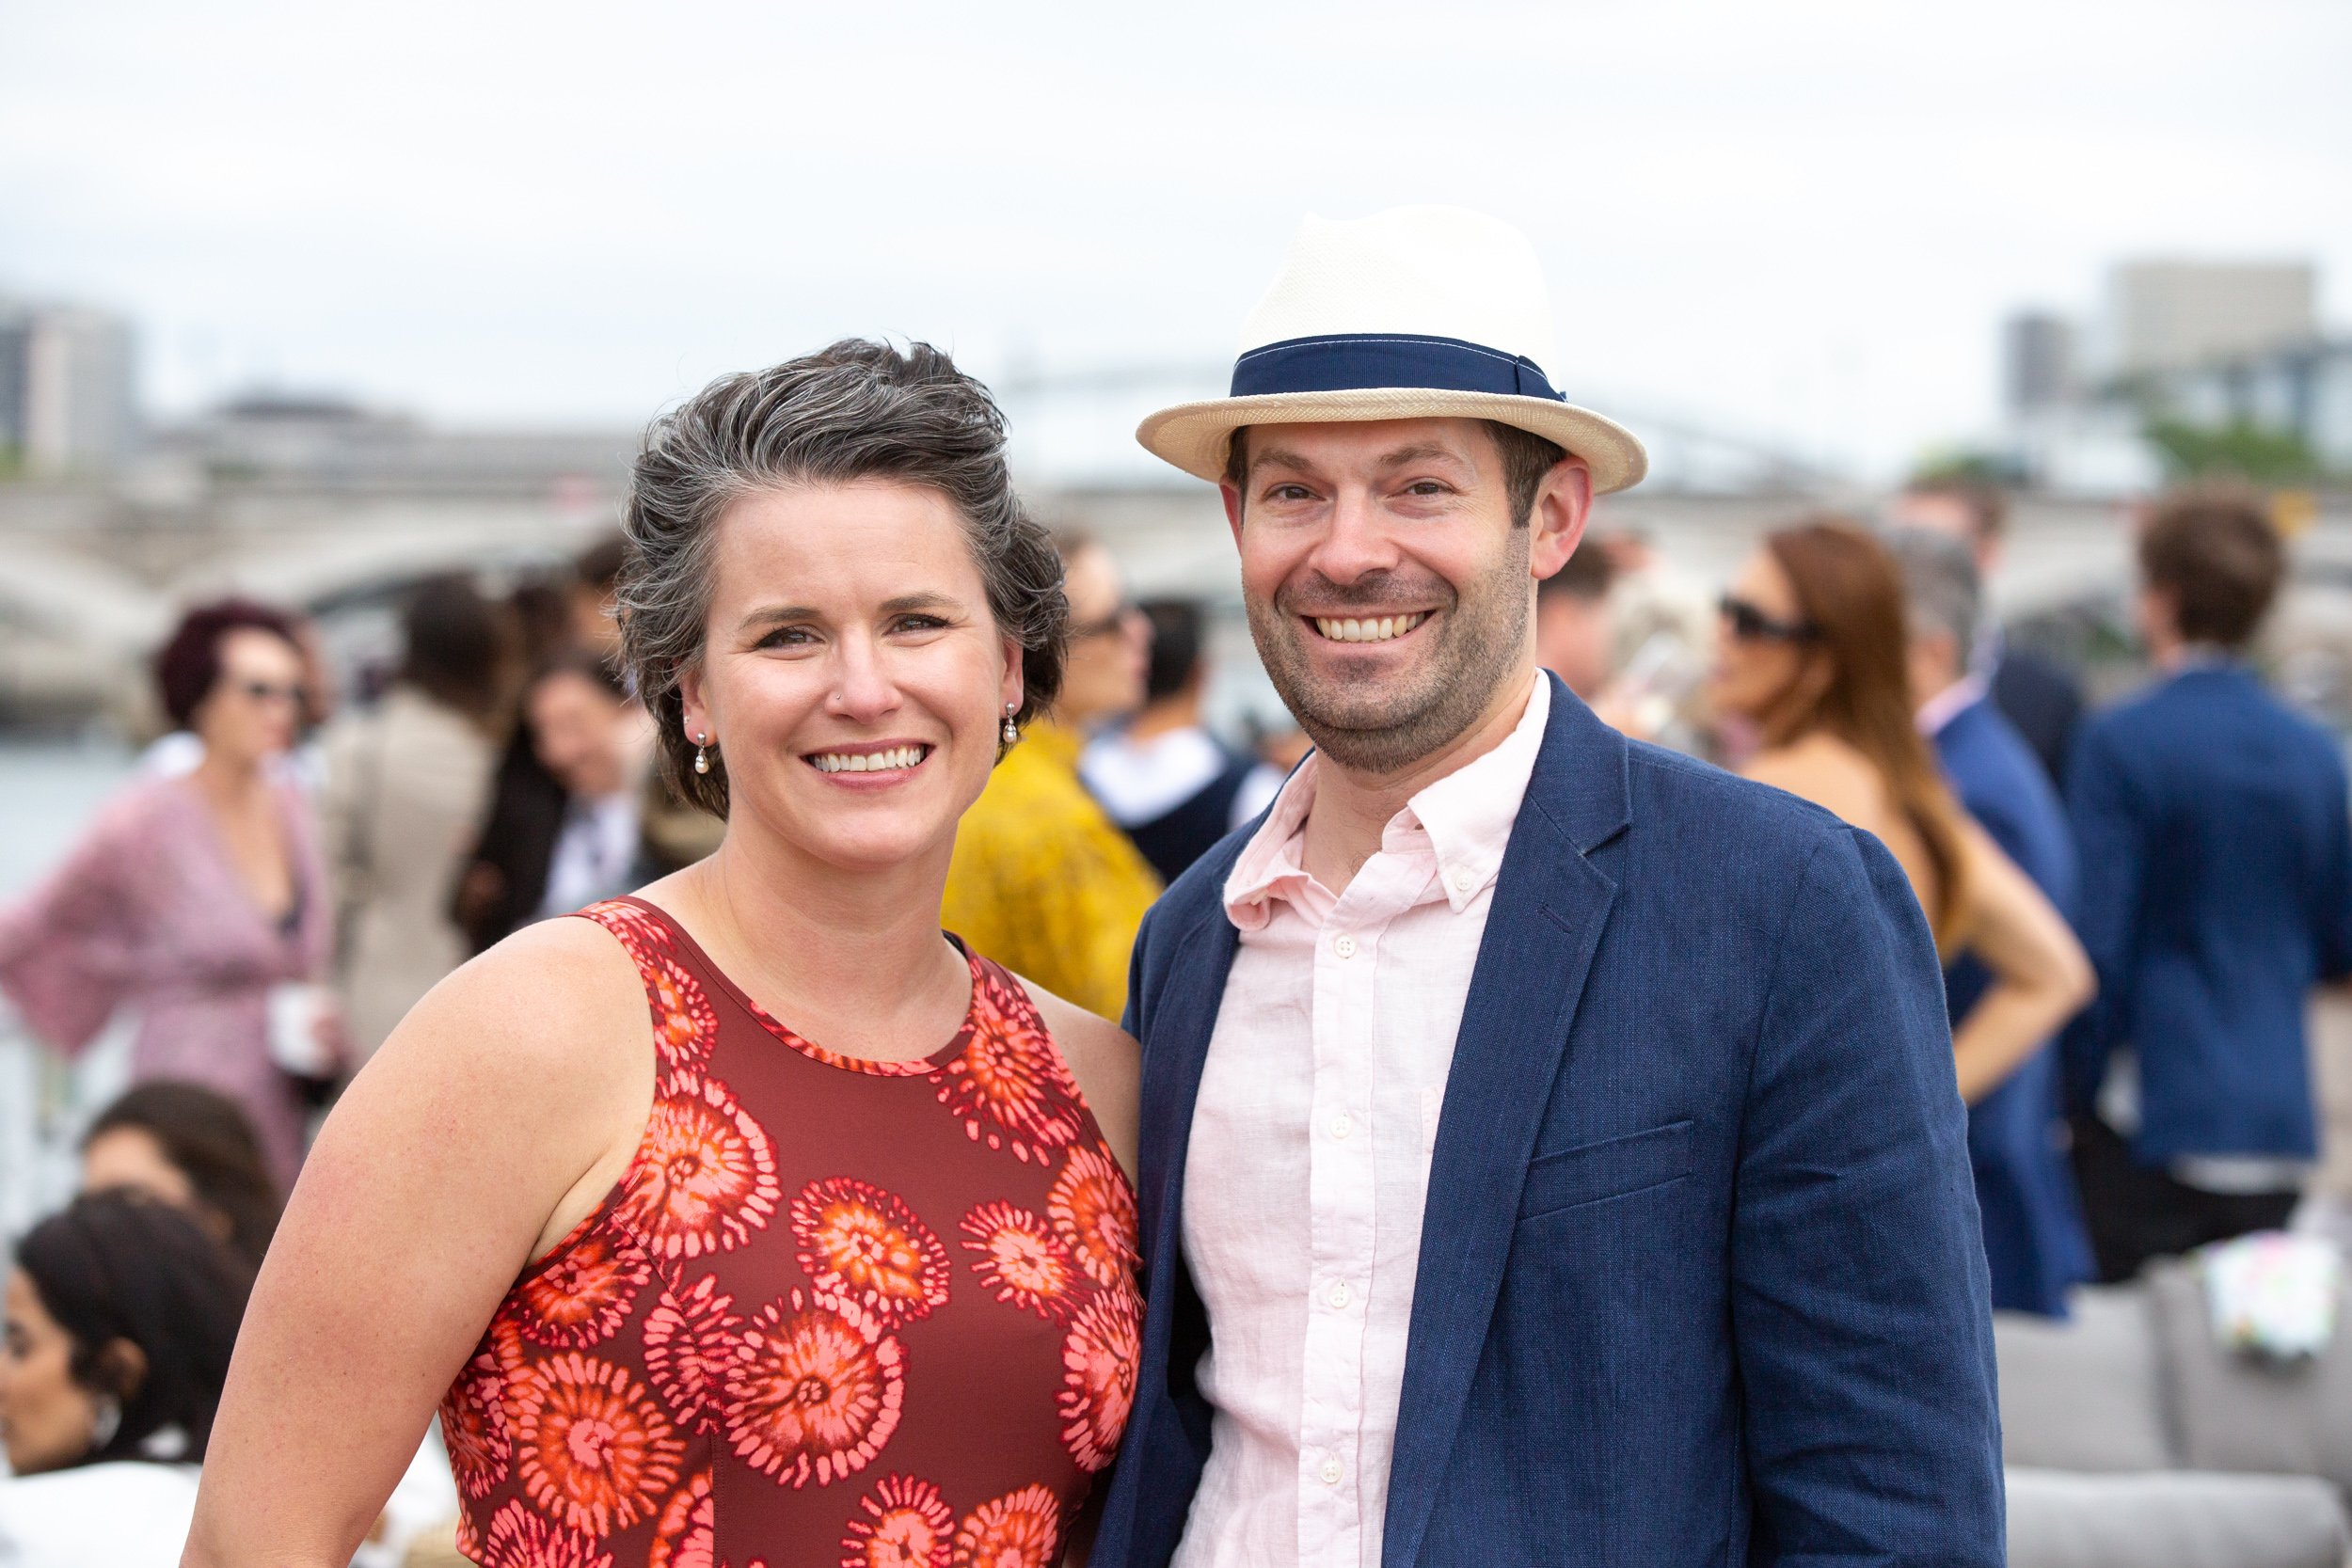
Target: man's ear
x,y
1563,505
1231,494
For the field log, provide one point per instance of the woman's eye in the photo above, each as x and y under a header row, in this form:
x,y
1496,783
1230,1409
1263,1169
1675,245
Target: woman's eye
x,y
788,637
920,623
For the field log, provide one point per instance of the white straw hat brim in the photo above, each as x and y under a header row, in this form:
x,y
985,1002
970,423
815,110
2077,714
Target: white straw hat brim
x,y
1197,437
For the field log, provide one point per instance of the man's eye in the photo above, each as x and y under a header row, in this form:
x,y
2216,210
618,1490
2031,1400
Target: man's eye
x,y
1287,493
1426,487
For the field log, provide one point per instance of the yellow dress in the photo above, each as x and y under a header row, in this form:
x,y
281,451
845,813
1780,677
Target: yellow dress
x,y
1044,882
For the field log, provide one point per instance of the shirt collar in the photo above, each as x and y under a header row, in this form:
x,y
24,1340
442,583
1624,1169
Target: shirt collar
x,y
1468,815
1938,711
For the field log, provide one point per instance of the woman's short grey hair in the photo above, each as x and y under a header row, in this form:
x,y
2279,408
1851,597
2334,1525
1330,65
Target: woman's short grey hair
x,y
856,410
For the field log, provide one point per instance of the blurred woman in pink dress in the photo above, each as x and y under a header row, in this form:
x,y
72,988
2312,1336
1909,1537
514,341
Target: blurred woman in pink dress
x,y
199,901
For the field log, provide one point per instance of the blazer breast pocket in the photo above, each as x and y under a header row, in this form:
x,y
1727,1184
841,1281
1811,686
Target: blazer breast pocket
x,y
1613,1167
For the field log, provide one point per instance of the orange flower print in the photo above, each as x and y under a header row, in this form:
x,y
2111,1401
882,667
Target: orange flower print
x,y
707,1176
689,1339
583,1294
814,1390
1009,1084
638,930
1021,1260
521,1539
1099,1378
684,1537
1019,1530
1094,1210
684,1025
473,1427
594,1449
907,1525
861,1243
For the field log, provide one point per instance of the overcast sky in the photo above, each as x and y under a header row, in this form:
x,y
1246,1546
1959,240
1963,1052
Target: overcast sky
x,y
1801,221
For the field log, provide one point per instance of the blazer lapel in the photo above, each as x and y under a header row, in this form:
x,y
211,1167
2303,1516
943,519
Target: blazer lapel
x,y
1176,1033
1550,906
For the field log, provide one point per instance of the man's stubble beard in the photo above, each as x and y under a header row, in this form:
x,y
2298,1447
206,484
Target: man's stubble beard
x,y
1381,729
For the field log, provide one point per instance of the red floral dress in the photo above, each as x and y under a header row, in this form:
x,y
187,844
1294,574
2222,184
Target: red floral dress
x,y
882,1314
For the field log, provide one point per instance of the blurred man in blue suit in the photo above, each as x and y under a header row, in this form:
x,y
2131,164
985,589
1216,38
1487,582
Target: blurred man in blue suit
x,y
2216,892
2034,1242
1551,1149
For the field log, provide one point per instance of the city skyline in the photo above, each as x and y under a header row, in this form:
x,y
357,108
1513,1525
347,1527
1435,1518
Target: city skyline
x,y
1805,226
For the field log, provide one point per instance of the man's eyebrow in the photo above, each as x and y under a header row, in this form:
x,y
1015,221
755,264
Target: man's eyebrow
x,y
1420,451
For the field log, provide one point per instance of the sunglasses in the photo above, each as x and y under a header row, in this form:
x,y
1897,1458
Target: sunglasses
x,y
1117,621
1751,624
266,692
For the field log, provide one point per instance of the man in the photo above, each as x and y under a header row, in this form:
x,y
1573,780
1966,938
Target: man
x,y
1550,1145
2034,1242
1170,785
1575,632
2217,892
1041,881
2037,695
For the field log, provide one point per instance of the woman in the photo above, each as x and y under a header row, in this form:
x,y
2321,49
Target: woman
x,y
748,1218
184,1145
120,1317
198,900
407,784
1811,652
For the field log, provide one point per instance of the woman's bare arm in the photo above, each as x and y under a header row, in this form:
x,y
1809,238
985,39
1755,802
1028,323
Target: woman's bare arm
x,y
2041,976
494,1119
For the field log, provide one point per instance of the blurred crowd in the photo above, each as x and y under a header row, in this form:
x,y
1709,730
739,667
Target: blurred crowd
x,y
2134,905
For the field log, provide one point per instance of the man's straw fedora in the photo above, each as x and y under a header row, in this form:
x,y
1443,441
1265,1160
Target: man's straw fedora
x,y
1417,312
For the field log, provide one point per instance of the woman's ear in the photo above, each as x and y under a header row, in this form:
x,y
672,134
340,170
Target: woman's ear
x,y
1012,687
694,710
121,1367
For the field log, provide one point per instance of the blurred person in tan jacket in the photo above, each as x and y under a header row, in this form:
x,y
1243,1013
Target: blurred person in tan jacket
x,y
407,783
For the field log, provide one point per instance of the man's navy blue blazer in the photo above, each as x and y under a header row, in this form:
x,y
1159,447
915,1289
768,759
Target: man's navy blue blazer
x,y
2034,1242
1700,1279
2216,892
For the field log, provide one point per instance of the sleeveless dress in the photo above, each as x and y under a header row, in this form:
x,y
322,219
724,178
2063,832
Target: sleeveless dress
x,y
836,1311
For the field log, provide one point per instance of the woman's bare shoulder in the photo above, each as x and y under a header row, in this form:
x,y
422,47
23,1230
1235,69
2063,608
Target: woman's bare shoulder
x,y
1107,1061
529,1003
1828,773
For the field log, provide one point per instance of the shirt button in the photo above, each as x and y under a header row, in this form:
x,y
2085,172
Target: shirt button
x,y
1344,946
1331,1472
1339,1296
1463,880
1342,1125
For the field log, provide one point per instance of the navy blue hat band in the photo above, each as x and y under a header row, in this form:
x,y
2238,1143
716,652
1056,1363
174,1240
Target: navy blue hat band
x,y
1359,361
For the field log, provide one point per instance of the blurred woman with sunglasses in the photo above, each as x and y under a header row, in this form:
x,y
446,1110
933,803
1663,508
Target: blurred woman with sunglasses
x,y
199,901
1811,653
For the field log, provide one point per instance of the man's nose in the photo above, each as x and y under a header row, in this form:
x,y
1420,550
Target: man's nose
x,y
1357,543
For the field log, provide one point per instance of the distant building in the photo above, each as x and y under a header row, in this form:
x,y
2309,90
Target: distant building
x,y
2038,369
67,398
2173,316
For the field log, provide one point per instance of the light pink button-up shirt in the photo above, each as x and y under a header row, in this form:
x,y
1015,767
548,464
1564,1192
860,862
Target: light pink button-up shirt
x,y
1309,1155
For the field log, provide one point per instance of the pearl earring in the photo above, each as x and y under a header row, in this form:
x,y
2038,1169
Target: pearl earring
x,y
702,753
1012,730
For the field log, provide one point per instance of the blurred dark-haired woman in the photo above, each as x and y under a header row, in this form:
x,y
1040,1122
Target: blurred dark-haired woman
x,y
199,901
407,783
1811,651
184,1145
122,1314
